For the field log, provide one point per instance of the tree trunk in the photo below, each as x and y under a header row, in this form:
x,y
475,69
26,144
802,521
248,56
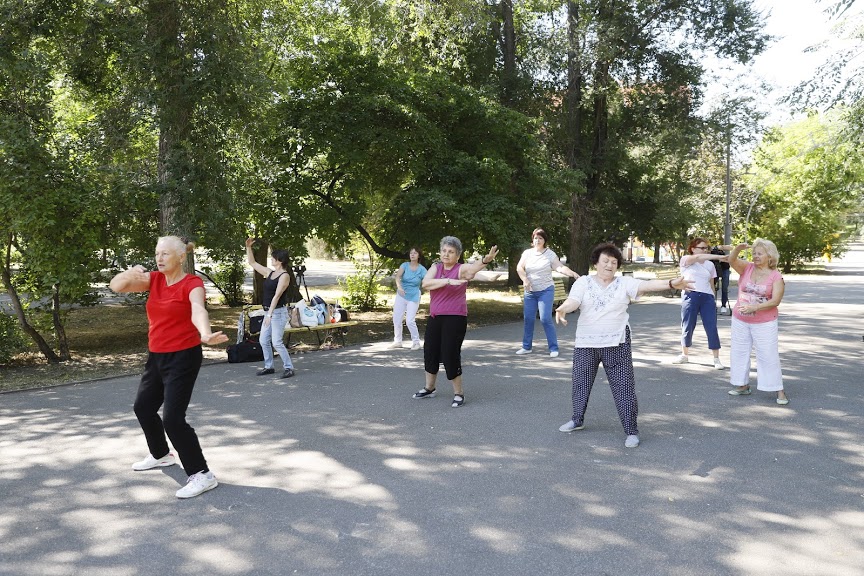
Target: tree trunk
x,y
259,251
509,52
6,274
59,330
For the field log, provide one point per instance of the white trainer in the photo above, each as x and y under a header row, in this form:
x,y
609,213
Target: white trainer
x,y
198,483
718,365
150,462
416,346
521,351
632,441
553,354
570,427
681,359
723,311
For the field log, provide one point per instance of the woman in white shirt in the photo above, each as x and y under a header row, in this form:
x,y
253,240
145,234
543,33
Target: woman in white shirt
x,y
698,268
535,269
603,335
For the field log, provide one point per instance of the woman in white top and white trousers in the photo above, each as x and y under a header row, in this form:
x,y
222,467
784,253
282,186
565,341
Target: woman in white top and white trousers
x,y
535,269
603,335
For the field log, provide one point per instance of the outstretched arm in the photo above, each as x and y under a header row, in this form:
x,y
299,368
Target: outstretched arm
x,y
468,271
679,283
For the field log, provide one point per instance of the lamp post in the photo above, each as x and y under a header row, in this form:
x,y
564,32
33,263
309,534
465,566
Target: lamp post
x,y
727,221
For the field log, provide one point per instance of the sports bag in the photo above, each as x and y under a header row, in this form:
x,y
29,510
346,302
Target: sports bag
x,y
246,351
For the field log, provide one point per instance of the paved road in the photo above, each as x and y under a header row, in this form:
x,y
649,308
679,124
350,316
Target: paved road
x,y
339,472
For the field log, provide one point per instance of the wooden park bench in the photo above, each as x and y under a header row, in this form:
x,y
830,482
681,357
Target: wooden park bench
x,y
324,332
669,274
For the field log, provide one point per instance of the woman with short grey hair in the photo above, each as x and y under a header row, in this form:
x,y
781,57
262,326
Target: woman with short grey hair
x,y
447,283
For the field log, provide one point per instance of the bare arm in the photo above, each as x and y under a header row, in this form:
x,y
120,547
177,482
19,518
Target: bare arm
x,y
136,279
777,290
559,267
399,273
738,265
679,283
523,274
691,259
201,319
468,271
432,283
569,305
250,258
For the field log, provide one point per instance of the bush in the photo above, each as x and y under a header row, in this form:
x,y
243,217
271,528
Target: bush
x,y
12,340
360,290
229,277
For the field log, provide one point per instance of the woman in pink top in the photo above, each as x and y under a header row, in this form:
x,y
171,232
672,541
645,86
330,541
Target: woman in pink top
x,y
446,281
754,320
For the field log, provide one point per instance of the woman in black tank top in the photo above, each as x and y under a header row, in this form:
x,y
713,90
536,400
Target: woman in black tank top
x,y
275,297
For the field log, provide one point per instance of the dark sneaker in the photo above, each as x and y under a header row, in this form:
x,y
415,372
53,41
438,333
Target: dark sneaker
x,y
458,400
424,393
265,371
288,373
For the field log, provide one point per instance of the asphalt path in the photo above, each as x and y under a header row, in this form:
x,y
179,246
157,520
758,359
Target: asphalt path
x,y
339,471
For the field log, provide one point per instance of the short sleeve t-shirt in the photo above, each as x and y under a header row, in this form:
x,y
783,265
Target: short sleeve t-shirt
x,y
603,316
170,314
700,273
411,280
538,268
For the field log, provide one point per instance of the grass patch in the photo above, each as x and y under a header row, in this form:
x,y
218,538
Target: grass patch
x,y
111,340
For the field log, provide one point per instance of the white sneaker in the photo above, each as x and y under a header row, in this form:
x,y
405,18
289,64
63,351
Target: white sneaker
x,y
198,483
395,345
416,346
632,441
553,354
523,351
151,462
570,427
723,311
718,365
681,359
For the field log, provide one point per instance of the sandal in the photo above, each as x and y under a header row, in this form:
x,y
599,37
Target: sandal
x,y
424,393
458,400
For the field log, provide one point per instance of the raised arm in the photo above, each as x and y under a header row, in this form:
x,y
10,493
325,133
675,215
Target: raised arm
x,y
250,258
201,319
136,279
738,265
468,271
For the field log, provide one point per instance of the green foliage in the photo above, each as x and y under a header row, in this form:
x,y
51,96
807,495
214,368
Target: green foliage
x,y
229,277
808,188
11,338
360,290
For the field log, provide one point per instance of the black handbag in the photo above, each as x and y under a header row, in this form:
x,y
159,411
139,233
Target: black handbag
x,y
246,351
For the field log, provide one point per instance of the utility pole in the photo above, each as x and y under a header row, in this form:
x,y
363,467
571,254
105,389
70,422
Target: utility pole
x,y
727,224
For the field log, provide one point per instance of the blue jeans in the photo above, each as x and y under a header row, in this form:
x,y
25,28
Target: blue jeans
x,y
543,301
274,334
693,305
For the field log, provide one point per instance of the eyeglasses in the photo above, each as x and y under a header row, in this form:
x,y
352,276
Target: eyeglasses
x,y
702,247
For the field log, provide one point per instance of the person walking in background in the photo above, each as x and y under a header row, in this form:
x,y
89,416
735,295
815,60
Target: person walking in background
x,y
179,325
447,283
754,320
722,268
275,302
698,268
603,335
535,269
409,276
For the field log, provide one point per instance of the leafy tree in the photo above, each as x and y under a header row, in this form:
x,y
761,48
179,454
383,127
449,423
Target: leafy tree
x,y
811,175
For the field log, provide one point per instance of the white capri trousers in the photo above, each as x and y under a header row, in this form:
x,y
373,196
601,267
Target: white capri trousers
x,y
400,307
762,337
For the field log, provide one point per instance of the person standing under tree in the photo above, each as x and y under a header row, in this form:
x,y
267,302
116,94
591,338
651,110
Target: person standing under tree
x,y
179,325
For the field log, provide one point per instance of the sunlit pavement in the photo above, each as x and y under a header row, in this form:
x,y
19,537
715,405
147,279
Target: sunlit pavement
x,y
339,471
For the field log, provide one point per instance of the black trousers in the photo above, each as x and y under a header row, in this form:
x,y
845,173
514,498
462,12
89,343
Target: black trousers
x,y
168,380
443,344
